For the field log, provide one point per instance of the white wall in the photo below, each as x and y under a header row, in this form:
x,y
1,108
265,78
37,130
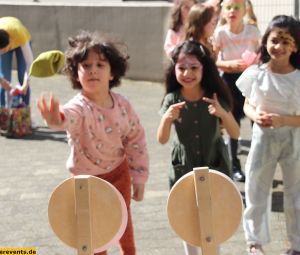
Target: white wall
x,y
142,27
265,10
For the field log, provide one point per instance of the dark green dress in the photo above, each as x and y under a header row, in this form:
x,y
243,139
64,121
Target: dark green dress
x,y
197,141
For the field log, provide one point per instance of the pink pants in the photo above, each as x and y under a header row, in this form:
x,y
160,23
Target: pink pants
x,y
121,179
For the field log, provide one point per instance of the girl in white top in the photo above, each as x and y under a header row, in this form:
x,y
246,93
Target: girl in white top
x,y
272,92
237,43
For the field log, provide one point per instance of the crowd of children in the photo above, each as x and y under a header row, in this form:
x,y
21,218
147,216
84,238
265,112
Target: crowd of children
x,y
262,78
220,70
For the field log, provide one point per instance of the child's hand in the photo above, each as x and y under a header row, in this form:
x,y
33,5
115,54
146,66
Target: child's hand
x,y
17,91
276,120
249,57
138,191
236,65
50,112
173,112
263,119
5,84
214,107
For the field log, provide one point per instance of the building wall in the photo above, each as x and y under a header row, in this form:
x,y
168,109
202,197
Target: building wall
x,y
143,28
265,10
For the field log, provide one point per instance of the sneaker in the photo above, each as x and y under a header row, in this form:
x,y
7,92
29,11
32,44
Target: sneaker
x,y
291,252
239,176
255,249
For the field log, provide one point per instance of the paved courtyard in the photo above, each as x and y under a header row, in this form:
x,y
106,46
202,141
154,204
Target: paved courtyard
x,y
32,167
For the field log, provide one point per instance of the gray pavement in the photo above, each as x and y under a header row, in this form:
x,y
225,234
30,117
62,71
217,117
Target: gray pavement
x,y
32,167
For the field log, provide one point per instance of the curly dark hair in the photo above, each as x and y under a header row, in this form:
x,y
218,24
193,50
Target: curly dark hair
x,y
293,27
4,38
211,81
105,45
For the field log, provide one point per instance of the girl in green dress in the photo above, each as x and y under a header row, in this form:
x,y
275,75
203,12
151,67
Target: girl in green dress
x,y
198,104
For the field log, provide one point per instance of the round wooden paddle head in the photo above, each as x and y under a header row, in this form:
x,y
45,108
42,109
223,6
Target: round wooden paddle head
x,y
108,213
226,208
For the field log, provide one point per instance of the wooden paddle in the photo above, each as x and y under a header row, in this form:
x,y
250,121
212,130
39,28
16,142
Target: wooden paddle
x,y
87,213
204,209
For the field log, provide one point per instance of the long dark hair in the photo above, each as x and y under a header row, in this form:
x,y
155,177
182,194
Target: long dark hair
x,y
293,27
211,81
4,38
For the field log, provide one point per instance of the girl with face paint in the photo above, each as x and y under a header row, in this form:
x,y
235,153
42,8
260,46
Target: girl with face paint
x,y
272,91
196,102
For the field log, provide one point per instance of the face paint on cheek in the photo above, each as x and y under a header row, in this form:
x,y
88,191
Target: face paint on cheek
x,y
286,37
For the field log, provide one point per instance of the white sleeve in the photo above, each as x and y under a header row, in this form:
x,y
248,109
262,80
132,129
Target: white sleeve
x,y
247,80
28,56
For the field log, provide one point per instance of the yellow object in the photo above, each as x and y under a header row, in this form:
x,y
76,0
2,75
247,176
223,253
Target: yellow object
x,y
47,64
18,251
18,33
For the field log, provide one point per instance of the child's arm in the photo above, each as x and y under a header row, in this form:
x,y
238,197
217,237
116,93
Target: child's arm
x,y
50,112
173,113
227,118
138,191
284,120
170,42
5,84
229,66
260,117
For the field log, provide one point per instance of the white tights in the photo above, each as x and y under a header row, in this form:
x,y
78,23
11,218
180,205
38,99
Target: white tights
x,y
190,249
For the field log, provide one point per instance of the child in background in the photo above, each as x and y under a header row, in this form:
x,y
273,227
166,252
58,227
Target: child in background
x,y
106,137
249,18
272,92
234,40
197,102
176,32
201,24
215,3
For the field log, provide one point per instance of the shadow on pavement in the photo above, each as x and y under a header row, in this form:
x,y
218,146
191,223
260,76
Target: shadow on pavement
x,y
43,133
277,201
